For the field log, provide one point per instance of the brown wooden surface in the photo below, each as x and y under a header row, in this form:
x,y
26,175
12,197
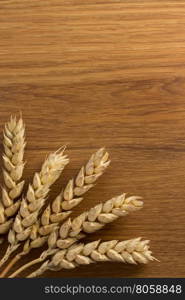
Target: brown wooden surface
x,y
105,73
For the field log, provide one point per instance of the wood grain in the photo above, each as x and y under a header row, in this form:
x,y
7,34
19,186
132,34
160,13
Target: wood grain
x,y
105,73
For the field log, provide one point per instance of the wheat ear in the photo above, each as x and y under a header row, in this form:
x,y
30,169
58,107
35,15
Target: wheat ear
x,y
75,188
33,202
69,198
14,144
64,202
94,219
132,251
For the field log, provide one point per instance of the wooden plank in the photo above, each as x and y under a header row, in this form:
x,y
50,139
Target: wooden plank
x,y
105,73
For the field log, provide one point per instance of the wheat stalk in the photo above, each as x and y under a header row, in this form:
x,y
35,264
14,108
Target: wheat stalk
x,y
34,230
14,144
33,202
94,219
75,188
66,200
61,207
130,251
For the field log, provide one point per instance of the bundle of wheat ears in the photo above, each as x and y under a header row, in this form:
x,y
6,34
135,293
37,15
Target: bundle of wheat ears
x,y
28,221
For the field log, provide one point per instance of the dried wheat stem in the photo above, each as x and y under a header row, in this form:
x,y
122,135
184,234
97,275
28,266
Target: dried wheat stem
x,y
9,251
130,251
15,259
43,257
96,218
33,262
44,267
36,196
14,144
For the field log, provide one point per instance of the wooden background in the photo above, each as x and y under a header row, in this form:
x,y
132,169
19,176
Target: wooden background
x,y
105,73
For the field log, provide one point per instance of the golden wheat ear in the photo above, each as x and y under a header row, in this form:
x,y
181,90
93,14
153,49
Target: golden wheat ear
x,y
132,251
94,219
24,222
97,217
61,207
90,221
84,181
13,166
35,198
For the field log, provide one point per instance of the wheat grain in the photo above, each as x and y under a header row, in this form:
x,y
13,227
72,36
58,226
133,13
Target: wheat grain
x,y
66,200
71,196
64,248
130,251
14,144
34,200
96,218
61,207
